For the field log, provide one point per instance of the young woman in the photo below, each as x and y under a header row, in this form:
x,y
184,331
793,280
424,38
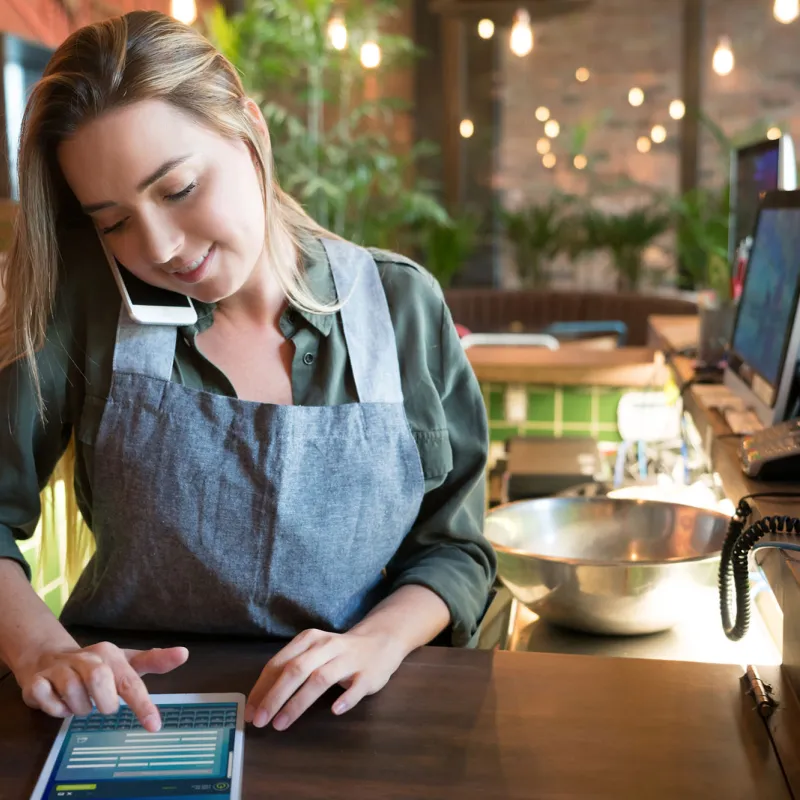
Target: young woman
x,y
305,463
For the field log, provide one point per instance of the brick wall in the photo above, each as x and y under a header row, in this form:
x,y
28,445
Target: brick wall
x,y
626,43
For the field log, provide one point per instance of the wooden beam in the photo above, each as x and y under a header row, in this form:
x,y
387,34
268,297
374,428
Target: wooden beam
x,y
691,91
453,96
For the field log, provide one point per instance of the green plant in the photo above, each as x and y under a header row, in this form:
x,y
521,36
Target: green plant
x,y
332,137
537,234
445,246
625,236
702,238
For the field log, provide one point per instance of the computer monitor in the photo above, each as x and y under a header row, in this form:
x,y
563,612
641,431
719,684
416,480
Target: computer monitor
x,y
755,170
765,345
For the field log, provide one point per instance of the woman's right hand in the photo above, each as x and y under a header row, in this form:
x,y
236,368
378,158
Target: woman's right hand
x,y
65,682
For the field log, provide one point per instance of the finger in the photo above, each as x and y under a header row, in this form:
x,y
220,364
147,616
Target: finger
x,y
291,678
156,661
318,683
132,690
272,671
41,694
69,687
358,690
99,680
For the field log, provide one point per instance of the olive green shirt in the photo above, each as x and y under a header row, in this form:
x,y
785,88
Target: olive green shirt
x,y
445,549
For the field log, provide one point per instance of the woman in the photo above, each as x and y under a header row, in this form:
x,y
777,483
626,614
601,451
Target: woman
x,y
306,462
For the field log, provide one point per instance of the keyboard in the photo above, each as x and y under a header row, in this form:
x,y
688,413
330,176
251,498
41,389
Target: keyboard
x,y
206,716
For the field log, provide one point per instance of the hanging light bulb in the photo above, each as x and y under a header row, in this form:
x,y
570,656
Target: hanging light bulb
x,y
774,133
643,144
184,11
552,128
521,41
723,61
486,29
543,146
580,161
677,109
466,128
658,134
636,96
786,11
337,32
582,74
549,160
370,55
543,113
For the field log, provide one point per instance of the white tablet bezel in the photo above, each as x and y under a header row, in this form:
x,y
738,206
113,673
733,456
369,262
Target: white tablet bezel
x,y
165,699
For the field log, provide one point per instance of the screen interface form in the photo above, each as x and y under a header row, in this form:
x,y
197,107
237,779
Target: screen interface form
x,y
768,304
112,756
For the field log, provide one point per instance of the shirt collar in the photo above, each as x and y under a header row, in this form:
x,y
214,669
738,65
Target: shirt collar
x,y
319,280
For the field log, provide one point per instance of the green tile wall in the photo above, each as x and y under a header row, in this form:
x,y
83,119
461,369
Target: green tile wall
x,y
556,411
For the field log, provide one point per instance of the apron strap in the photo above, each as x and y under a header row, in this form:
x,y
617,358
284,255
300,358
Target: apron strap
x,y
366,321
144,349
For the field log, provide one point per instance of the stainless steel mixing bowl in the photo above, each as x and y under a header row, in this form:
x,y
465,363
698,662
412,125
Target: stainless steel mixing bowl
x,y
608,566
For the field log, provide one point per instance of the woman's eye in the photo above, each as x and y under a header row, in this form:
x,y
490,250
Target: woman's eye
x,y
183,192
115,227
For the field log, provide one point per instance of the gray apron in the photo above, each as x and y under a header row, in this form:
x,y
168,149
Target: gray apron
x,y
218,515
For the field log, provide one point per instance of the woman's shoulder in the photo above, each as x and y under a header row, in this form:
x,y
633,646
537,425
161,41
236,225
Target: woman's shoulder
x,y
408,285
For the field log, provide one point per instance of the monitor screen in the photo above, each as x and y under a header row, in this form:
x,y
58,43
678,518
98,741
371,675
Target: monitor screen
x,y
769,300
757,171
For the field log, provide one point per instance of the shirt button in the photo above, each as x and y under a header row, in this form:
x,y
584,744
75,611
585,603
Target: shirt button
x,y
308,358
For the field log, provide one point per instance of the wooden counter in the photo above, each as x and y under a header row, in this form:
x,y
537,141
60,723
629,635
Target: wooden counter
x,y
474,725
626,366
782,569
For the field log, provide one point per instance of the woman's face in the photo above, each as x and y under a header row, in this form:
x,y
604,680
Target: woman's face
x,y
176,203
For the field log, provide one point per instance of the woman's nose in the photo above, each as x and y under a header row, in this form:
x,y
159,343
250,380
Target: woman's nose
x,y
161,239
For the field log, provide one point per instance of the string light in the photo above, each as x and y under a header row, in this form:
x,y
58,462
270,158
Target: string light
x,y
543,113
786,11
486,29
521,41
466,128
549,160
552,128
370,55
582,74
643,144
677,109
658,134
543,146
337,32
774,133
580,161
723,61
184,11
636,96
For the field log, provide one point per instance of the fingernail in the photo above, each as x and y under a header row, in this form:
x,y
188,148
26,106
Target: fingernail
x,y
249,713
152,722
281,722
339,707
260,719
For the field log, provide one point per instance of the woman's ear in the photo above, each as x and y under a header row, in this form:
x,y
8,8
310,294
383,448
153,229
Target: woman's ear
x,y
254,112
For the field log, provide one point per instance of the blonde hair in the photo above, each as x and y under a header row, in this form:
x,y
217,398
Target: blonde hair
x,y
142,55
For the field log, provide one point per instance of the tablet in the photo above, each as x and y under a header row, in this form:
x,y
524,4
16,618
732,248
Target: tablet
x,y
196,754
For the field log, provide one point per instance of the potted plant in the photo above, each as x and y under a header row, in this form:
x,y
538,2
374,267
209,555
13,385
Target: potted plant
x,y
447,244
537,234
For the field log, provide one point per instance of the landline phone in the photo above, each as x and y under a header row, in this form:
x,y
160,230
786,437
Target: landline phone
x,y
772,453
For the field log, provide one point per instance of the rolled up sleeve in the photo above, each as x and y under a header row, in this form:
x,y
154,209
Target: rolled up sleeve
x,y
446,550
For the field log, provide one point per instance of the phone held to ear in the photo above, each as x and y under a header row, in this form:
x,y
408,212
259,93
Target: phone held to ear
x,y
147,304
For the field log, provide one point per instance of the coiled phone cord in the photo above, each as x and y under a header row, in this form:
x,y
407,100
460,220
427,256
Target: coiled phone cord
x,y
734,559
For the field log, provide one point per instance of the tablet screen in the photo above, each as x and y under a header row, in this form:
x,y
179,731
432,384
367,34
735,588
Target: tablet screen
x,y
112,756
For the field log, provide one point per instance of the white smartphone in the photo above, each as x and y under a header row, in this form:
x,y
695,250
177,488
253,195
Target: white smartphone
x,y
197,753
147,304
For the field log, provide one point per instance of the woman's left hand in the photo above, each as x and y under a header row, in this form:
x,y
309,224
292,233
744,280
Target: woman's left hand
x,y
312,663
